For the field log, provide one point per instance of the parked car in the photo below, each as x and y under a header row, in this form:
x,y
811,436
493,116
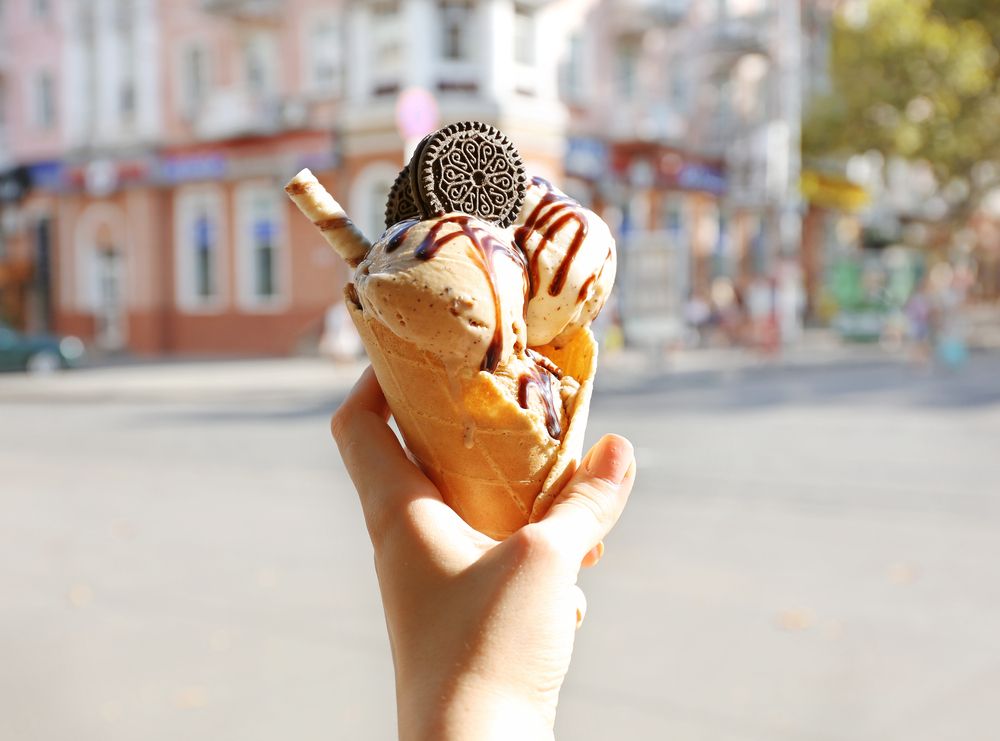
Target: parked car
x,y
37,353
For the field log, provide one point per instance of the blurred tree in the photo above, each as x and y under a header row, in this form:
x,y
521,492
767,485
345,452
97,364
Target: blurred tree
x,y
916,79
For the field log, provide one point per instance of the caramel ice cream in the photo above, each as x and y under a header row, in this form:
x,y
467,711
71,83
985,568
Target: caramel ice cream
x,y
570,255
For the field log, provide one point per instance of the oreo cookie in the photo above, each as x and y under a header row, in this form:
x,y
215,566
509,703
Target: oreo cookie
x,y
470,167
401,204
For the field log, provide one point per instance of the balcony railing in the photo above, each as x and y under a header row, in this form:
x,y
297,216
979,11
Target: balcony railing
x,y
638,16
231,113
245,9
742,34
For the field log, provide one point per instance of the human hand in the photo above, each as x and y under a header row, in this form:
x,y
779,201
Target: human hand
x,y
481,631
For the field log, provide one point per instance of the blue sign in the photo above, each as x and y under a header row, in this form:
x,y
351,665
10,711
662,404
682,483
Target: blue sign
x,y
47,175
192,167
694,176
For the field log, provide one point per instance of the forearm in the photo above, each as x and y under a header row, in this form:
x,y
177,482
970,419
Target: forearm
x,y
470,713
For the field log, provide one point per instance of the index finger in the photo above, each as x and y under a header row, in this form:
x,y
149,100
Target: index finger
x,y
384,477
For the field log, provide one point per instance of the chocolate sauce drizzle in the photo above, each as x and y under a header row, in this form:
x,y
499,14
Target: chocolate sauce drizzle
x,y
541,378
487,246
328,225
561,210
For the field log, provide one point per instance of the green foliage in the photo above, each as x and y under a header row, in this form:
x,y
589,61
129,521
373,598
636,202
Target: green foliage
x,y
917,79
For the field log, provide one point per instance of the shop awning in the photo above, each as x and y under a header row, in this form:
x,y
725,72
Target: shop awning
x,y
831,191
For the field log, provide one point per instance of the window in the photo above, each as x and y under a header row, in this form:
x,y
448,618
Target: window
x,y
387,48
574,85
673,218
45,101
524,36
204,242
198,241
126,100
324,53
722,239
456,18
194,78
260,212
680,87
626,64
127,88
260,64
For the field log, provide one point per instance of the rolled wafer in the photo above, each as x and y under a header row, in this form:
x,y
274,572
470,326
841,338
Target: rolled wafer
x,y
316,203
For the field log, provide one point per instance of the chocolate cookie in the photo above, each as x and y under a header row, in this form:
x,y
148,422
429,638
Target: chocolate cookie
x,y
401,204
470,167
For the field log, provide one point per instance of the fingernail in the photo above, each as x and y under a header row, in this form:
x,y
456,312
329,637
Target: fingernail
x,y
595,555
610,459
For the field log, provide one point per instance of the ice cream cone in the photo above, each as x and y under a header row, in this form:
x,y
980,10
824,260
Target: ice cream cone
x,y
493,461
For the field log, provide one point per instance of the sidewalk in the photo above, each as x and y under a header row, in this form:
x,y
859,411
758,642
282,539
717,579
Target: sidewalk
x,y
290,378
187,380
816,348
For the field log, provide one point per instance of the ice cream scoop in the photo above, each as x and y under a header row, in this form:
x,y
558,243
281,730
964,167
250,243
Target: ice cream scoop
x,y
571,262
454,285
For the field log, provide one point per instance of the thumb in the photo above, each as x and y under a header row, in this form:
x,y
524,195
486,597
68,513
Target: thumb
x,y
592,501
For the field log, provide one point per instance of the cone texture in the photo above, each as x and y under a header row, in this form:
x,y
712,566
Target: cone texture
x,y
493,461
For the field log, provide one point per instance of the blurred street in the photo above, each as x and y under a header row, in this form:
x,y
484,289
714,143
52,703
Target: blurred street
x,y
810,553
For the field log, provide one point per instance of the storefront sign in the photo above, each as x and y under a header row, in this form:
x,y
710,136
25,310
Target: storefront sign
x,y
830,191
698,176
101,177
586,158
185,168
47,175
669,169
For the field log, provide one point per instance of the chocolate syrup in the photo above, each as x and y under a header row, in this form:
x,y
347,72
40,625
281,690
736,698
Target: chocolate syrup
x,y
545,362
487,246
397,234
560,211
328,225
541,379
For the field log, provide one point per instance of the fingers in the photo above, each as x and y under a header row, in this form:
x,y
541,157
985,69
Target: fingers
x,y
384,477
593,500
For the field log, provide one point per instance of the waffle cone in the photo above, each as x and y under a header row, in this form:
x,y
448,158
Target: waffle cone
x,y
493,461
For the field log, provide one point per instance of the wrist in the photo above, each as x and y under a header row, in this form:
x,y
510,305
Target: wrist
x,y
471,711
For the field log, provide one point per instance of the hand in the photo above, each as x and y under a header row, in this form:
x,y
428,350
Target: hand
x,y
481,631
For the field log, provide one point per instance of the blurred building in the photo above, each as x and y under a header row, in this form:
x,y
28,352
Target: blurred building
x,y
143,145
149,140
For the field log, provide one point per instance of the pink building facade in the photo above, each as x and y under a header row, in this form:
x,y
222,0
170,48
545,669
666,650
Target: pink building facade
x,y
144,143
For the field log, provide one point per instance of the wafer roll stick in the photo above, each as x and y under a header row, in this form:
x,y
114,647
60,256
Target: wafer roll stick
x,y
329,217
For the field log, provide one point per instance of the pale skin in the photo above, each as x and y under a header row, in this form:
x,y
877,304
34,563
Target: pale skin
x,y
481,631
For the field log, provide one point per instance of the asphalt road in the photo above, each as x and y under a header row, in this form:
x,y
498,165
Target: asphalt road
x,y
810,554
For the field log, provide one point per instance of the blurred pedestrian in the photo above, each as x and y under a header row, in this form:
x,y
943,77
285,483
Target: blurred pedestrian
x,y
918,311
697,316
948,300
340,340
